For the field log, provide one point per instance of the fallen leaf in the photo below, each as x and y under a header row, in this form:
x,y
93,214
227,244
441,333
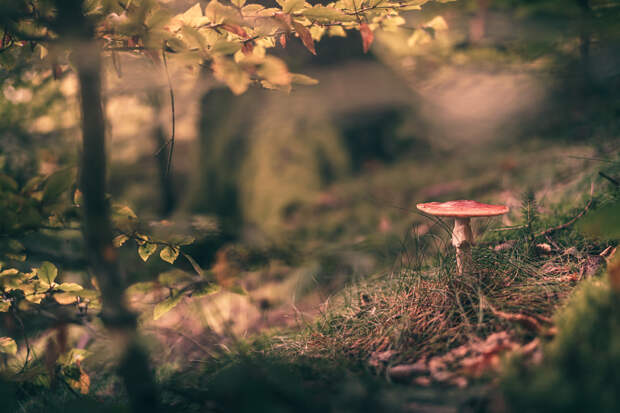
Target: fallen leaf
x,y
405,371
422,381
379,357
543,248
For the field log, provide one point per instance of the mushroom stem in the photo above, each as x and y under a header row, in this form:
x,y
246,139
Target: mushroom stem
x,y
462,239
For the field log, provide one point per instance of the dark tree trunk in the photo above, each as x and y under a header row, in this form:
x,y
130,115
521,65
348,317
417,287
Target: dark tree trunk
x,y
135,370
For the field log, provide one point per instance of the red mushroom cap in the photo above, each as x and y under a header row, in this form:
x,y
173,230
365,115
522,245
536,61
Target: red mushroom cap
x,y
462,209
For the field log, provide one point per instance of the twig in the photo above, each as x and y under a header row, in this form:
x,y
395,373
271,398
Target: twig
x,y
592,159
527,321
509,228
171,140
572,221
609,178
21,324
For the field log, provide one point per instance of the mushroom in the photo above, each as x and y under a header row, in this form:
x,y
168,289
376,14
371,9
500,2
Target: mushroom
x,y
462,237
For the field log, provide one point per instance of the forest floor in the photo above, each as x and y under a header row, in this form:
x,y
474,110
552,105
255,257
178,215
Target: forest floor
x,y
373,317
357,307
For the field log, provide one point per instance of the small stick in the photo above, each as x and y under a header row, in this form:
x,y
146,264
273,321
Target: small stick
x,y
609,178
572,221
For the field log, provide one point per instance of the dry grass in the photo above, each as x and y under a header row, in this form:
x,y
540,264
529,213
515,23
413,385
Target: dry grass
x,y
421,313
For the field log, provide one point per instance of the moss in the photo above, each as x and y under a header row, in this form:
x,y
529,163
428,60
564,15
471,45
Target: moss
x,y
288,162
581,365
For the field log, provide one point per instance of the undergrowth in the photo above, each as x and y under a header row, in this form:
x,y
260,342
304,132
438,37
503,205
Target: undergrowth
x,y
579,372
423,309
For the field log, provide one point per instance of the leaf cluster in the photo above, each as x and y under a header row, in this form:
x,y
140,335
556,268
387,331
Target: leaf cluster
x,y
232,39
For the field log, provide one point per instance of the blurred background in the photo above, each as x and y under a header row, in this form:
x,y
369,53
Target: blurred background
x,y
294,196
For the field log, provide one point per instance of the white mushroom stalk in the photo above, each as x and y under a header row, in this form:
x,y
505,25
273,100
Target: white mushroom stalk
x,y
462,237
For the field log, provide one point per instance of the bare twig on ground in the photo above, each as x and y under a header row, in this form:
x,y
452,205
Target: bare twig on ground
x,y
572,221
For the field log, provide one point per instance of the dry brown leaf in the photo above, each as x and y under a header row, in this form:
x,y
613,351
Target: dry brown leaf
x,y
305,36
422,381
367,36
405,371
235,29
543,248
284,20
248,48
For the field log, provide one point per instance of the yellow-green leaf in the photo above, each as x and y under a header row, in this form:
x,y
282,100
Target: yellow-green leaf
x,y
169,254
119,240
336,31
8,346
290,6
35,298
206,289
166,305
299,79
251,9
146,250
142,287
237,289
47,272
4,306
170,278
9,271
65,298
227,71
326,14
274,70
123,211
224,47
67,287
57,183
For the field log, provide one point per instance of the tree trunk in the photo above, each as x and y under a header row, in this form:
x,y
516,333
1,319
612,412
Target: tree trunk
x,y
135,370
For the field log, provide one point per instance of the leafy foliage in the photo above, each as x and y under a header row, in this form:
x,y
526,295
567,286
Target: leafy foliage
x,y
233,38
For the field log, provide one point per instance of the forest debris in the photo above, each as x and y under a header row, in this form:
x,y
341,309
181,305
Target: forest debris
x,y
533,350
608,253
572,251
487,354
379,357
543,248
405,371
423,381
459,381
471,360
442,376
592,264
527,321
505,245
